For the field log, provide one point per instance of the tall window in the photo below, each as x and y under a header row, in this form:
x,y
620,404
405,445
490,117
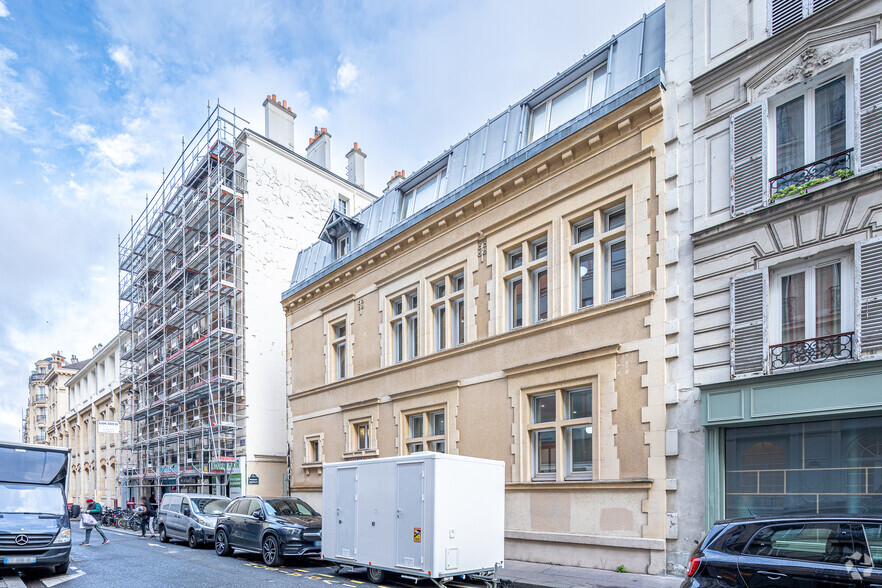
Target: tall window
x,y
813,301
811,127
404,326
338,344
341,246
361,435
561,416
531,277
568,103
342,205
448,311
606,248
426,431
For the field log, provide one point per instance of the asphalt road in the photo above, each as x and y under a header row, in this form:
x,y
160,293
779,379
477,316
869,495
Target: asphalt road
x,y
132,562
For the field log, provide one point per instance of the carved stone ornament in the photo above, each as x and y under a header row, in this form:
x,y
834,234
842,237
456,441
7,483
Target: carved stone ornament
x,y
811,61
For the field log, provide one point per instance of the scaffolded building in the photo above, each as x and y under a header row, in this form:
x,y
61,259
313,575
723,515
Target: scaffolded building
x,y
181,288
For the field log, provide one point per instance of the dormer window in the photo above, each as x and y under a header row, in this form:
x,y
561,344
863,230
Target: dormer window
x,y
568,103
422,195
341,246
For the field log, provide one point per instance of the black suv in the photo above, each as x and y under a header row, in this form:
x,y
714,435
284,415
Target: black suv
x,y
274,527
798,550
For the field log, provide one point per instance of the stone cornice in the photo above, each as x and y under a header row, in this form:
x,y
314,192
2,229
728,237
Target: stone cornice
x,y
555,323
625,122
849,188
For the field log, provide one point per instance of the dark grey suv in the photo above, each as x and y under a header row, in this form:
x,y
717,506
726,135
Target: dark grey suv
x,y
789,551
273,527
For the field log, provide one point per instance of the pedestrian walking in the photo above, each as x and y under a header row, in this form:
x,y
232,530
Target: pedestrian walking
x,y
146,512
92,520
152,522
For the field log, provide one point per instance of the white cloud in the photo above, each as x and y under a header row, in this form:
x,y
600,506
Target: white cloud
x,y
347,74
4,12
120,150
8,122
319,113
122,57
82,133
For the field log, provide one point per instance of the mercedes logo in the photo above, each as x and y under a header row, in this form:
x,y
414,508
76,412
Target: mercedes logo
x,y
21,539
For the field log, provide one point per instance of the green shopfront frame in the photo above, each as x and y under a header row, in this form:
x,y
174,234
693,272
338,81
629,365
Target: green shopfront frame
x,y
808,441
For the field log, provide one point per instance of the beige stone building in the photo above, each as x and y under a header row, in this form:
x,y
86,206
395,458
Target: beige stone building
x,y
47,397
507,301
95,394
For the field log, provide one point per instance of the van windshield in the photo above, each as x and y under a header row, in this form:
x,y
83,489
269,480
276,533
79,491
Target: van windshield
x,y
31,498
210,506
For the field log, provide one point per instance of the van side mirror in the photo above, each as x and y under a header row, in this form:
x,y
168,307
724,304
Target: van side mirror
x,y
185,511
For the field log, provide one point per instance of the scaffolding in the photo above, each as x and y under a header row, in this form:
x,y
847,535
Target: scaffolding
x,y
181,285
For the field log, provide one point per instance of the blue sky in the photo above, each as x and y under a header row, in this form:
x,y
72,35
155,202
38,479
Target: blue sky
x,y
95,97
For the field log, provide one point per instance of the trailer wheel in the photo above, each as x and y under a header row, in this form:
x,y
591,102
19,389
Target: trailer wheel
x,y
375,575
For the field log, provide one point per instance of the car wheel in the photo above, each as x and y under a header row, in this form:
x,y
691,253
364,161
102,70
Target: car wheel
x,y
221,545
271,551
163,536
62,569
376,576
191,540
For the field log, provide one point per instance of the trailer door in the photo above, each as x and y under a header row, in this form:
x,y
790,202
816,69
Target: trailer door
x,y
411,508
347,512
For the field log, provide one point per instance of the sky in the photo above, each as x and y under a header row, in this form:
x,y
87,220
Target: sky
x,y
96,96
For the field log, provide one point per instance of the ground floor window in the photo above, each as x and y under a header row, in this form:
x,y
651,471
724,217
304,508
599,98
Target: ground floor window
x,y
811,467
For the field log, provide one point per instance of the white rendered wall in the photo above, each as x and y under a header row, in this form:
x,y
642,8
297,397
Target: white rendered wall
x,y
287,204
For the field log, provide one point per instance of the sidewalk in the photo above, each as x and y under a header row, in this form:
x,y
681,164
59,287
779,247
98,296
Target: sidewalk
x,y
528,575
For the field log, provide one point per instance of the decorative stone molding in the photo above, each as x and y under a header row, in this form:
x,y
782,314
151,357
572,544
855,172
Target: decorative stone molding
x,y
809,63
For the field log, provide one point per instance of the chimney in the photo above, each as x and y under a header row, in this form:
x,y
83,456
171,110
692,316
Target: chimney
x,y
279,121
319,148
73,359
396,181
355,166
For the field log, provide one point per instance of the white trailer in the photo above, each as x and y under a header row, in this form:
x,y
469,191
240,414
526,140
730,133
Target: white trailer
x,y
425,515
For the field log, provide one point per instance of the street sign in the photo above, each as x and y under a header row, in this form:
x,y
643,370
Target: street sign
x,y
253,479
111,427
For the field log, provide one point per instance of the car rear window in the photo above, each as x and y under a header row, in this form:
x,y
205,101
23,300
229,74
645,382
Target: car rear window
x,y
819,542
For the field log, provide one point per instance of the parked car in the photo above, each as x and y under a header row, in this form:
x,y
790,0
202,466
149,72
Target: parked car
x,y
789,551
34,522
273,527
189,516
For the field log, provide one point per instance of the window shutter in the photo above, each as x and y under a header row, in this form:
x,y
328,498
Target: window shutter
x,y
869,84
785,13
868,258
748,131
748,301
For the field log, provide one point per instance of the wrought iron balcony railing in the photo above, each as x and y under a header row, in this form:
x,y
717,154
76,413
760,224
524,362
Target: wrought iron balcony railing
x,y
812,351
813,171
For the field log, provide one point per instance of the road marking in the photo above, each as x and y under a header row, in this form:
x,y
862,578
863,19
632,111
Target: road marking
x,y
56,580
13,581
326,576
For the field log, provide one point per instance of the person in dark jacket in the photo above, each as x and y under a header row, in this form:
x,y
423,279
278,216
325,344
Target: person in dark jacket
x,y
94,509
146,511
151,523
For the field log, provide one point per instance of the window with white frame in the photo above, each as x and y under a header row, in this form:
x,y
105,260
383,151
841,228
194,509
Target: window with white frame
x,y
404,326
532,277
313,449
425,431
810,125
811,301
341,246
562,416
448,311
606,248
568,103
342,205
338,348
422,195
361,435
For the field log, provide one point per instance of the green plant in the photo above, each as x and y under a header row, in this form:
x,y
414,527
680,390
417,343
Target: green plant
x,y
842,174
622,570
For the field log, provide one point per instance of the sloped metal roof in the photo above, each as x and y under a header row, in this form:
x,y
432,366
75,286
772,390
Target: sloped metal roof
x,y
634,60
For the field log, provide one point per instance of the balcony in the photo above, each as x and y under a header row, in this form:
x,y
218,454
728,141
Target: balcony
x,y
40,398
797,181
812,351
41,418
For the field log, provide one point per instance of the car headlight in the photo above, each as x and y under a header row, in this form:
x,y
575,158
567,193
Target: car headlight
x,y
294,532
63,536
